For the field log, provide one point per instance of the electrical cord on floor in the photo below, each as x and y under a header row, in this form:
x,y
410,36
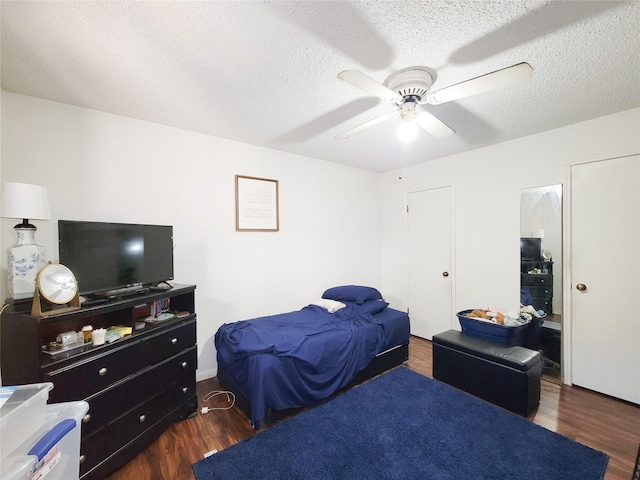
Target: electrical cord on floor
x,y
230,398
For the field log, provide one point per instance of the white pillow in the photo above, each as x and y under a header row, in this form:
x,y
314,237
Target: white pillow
x,y
330,306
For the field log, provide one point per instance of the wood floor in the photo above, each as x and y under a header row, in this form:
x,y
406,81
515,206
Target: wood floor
x,y
601,422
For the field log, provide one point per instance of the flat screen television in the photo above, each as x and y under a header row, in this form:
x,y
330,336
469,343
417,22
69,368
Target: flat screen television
x,y
530,248
111,258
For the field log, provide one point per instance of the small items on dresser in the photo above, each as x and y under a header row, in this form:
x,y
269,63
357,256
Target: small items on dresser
x,y
86,333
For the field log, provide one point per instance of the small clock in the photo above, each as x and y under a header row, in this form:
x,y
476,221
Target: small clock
x,y
57,284
546,255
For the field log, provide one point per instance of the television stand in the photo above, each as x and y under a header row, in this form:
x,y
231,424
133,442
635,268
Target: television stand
x,y
136,387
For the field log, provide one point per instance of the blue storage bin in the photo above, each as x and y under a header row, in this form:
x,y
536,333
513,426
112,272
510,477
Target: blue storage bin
x,y
492,331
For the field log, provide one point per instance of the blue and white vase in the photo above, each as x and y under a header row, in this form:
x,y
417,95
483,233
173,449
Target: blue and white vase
x,y
26,259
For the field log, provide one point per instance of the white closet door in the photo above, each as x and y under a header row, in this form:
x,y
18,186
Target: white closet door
x,y
605,260
429,259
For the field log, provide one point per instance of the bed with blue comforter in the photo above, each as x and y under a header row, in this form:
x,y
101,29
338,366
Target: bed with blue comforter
x,y
295,359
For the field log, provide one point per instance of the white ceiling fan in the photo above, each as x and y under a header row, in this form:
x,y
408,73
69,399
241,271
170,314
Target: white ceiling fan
x,y
410,87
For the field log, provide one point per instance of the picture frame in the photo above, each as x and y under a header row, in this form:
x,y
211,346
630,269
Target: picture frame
x,y
257,204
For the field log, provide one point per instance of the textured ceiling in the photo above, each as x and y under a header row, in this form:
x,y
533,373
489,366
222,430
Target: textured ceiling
x,y
265,72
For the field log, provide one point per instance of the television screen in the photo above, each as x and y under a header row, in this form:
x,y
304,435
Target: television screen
x,y
113,256
530,248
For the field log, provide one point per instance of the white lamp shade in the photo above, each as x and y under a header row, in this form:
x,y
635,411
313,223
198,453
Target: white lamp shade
x,y
407,130
26,201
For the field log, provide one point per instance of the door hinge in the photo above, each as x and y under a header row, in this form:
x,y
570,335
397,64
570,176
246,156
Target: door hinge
x,y
407,208
407,310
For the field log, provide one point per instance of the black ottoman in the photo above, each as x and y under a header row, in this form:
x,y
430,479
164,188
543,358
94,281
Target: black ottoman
x,y
507,376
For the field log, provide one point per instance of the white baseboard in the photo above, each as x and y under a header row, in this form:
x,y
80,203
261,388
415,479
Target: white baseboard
x,y
204,374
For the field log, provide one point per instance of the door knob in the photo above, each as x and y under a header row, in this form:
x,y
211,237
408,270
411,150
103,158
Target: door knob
x,y
445,274
582,287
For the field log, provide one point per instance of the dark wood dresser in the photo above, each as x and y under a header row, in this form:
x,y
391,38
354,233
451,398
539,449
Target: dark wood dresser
x,y
537,277
136,386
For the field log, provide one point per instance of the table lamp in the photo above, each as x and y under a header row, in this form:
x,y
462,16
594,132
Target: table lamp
x,y
26,258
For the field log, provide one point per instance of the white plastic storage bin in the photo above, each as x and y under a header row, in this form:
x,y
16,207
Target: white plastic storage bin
x,y
52,451
22,411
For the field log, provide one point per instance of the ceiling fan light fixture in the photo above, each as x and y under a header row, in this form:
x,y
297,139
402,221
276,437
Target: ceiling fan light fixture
x,y
407,130
411,83
411,86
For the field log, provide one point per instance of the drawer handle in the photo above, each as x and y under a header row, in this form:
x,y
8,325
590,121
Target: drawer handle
x,y
82,458
185,389
174,341
184,364
142,418
102,372
86,418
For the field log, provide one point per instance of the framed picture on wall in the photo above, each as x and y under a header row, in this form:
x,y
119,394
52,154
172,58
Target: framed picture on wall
x,y
256,204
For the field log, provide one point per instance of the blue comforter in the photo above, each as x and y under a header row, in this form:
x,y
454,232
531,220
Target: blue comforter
x,y
295,359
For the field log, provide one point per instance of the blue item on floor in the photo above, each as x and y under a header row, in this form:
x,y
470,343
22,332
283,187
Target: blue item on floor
x,y
412,427
492,331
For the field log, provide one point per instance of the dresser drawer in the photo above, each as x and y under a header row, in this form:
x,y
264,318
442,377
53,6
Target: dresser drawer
x,y
536,280
129,426
167,343
182,365
541,292
107,405
185,390
82,379
544,304
93,450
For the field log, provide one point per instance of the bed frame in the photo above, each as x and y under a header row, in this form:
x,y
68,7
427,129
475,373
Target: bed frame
x,y
381,363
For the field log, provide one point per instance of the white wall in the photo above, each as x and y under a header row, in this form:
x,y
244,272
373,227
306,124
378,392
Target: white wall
x,y
487,184
104,167
338,224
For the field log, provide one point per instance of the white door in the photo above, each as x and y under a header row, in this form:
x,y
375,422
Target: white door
x,y
429,259
605,276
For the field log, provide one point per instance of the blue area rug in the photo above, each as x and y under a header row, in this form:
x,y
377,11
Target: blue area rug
x,y
404,425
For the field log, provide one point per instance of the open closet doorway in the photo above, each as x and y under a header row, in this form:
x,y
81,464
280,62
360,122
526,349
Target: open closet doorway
x,y
541,266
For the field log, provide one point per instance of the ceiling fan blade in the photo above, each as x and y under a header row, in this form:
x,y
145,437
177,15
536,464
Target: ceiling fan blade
x,y
368,84
485,83
366,125
434,127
